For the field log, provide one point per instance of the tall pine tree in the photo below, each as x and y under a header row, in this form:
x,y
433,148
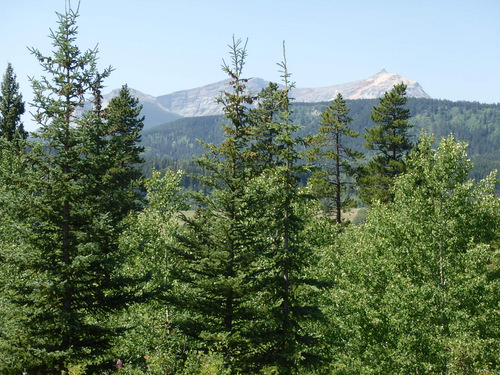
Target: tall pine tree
x,y
69,210
215,256
239,277
390,139
11,107
336,160
283,342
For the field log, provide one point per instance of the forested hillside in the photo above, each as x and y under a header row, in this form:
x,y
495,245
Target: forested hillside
x,y
472,122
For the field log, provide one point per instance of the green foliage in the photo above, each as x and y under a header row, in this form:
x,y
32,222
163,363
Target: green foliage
x,y
389,138
238,282
64,211
288,326
14,166
11,108
287,252
200,363
214,255
331,181
257,281
149,341
179,139
416,294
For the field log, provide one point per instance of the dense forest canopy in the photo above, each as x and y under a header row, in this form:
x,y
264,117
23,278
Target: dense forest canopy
x,y
473,122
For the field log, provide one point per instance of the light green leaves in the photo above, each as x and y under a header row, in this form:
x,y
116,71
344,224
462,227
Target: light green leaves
x,y
417,293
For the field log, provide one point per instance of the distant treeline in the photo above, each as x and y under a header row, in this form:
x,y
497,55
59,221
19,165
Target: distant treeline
x,y
173,145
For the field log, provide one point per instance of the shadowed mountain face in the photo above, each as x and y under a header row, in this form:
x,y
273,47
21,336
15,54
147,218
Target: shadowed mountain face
x,y
201,101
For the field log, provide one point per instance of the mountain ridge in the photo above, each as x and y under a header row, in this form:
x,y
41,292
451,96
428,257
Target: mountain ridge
x,y
200,101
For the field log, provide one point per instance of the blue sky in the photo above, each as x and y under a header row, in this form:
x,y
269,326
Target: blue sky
x,y
452,48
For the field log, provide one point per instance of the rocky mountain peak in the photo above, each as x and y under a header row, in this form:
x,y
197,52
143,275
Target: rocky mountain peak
x,y
369,88
200,101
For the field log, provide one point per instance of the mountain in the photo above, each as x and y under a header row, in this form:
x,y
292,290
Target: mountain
x,y
200,101
371,88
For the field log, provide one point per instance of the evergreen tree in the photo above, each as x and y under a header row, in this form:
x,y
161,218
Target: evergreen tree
x,y
14,166
11,107
266,116
69,210
335,158
215,255
390,139
283,340
121,155
239,274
